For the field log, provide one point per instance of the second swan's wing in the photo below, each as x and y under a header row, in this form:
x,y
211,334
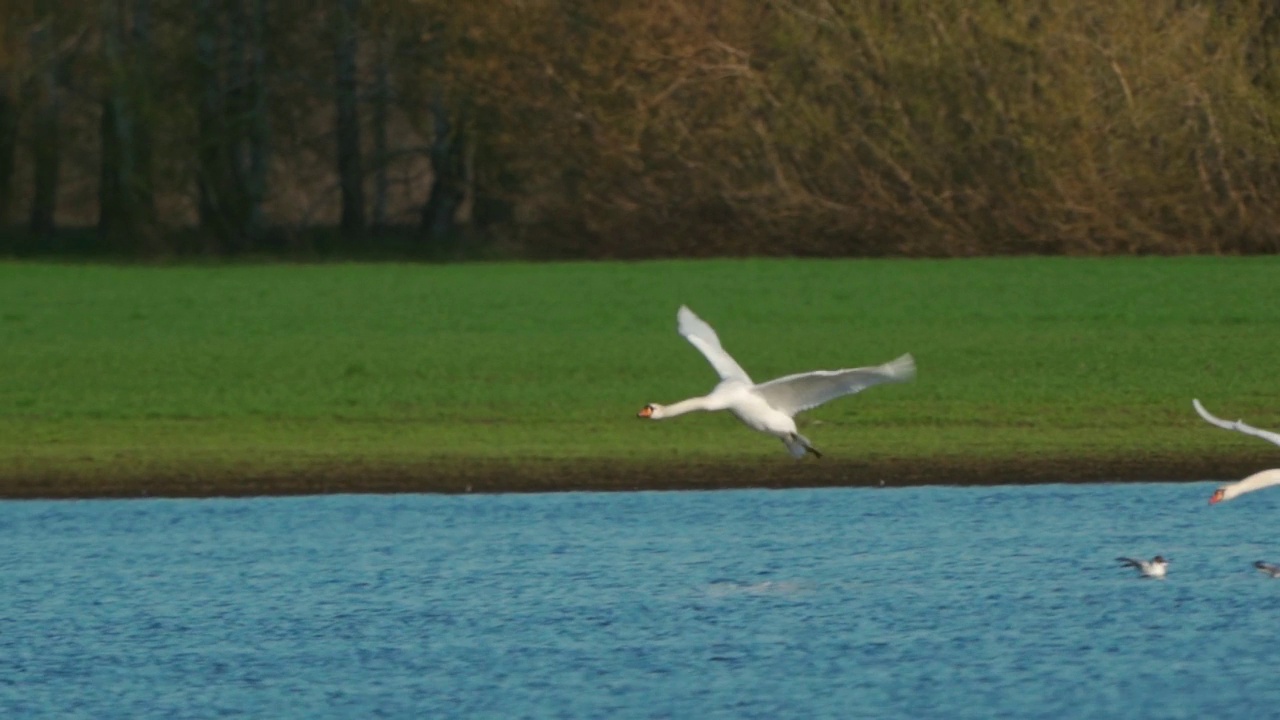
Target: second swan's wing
x,y
1238,425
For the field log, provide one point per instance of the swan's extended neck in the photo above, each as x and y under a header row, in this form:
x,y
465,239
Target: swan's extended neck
x,y
685,406
1256,481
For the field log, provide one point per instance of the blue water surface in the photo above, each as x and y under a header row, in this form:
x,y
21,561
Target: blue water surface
x,y
899,603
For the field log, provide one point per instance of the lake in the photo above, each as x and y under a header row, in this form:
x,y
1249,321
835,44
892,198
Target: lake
x,y
934,602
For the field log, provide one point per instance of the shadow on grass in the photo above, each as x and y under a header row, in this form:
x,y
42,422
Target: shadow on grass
x,y
276,244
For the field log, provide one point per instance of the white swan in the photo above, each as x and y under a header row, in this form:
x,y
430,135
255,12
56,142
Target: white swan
x,y
1156,567
1256,481
769,407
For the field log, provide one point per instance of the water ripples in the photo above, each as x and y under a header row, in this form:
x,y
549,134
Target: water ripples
x,y
922,602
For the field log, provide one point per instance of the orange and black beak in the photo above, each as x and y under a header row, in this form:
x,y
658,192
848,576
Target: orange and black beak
x,y
1217,497
646,411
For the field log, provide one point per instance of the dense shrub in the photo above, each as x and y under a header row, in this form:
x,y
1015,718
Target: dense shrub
x,y
938,128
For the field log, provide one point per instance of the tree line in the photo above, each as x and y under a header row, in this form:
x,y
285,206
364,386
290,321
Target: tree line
x,y
596,128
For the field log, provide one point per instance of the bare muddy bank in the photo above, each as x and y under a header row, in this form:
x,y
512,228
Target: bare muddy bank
x,y
542,475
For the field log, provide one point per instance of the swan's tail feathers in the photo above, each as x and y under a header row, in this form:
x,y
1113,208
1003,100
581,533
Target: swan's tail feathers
x,y
799,445
900,370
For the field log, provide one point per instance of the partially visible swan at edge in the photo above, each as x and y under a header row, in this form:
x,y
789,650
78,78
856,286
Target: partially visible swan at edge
x,y
769,407
1256,481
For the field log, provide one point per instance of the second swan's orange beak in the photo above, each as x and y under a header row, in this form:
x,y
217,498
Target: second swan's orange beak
x,y
646,411
1217,497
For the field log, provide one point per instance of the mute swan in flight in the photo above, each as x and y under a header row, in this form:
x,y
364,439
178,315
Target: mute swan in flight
x,y
769,407
1156,567
1256,481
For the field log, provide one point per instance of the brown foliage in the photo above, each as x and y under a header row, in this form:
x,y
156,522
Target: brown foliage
x,y
606,128
923,128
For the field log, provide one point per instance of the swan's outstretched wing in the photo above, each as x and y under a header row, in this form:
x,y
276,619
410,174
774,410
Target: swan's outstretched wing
x,y
796,393
1238,425
1130,562
700,335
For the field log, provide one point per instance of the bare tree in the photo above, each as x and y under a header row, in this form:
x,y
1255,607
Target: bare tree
x,y
381,116
448,170
8,146
144,135
233,141
259,123
126,206
209,179
45,145
350,164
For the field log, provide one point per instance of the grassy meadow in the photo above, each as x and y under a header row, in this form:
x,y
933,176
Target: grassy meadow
x,y
167,380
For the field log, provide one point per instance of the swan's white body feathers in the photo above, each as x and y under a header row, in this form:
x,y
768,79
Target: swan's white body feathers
x,y
1256,481
770,407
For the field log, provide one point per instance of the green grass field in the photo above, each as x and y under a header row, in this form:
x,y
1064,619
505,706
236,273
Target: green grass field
x,y
162,372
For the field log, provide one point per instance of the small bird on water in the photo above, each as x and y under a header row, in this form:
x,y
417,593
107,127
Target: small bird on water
x,y
1156,567
1268,568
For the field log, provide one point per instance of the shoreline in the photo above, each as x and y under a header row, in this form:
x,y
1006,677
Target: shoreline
x,y
532,475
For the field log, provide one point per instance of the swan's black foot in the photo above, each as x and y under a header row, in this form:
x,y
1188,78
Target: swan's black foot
x,y
804,443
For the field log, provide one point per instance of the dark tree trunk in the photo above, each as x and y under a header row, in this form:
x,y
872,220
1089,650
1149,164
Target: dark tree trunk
x,y
8,151
223,209
109,179
259,128
45,150
232,120
381,115
236,116
207,116
125,194
350,164
114,129
449,179
143,189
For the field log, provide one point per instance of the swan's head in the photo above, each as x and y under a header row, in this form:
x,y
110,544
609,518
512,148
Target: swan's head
x,y
653,411
1159,560
1219,495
